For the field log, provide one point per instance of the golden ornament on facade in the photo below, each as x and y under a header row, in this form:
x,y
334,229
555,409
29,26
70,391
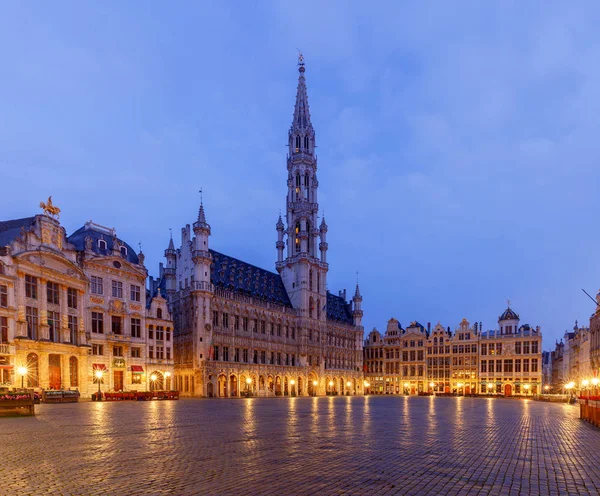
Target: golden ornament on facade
x,y
50,209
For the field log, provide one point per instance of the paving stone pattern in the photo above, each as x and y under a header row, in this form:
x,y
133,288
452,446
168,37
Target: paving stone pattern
x,y
282,446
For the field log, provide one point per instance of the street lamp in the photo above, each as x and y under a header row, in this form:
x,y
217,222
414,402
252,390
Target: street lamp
x,y
546,388
348,384
406,384
367,385
153,382
99,374
22,371
330,387
248,382
315,384
526,387
568,387
490,387
292,382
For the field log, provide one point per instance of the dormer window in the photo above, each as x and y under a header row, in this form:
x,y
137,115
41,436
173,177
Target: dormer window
x,y
101,244
159,313
124,251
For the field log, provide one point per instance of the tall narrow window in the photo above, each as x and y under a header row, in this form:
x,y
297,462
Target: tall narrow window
x,y
3,329
31,287
297,143
3,296
31,316
306,143
72,322
72,298
310,280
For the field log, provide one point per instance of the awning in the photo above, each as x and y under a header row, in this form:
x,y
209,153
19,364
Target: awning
x,y
137,369
100,366
6,367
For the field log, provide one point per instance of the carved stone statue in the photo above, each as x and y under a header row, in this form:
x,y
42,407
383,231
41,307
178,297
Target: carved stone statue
x,y
88,243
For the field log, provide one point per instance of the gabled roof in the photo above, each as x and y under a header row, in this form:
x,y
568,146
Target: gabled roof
x,y
10,229
338,309
241,277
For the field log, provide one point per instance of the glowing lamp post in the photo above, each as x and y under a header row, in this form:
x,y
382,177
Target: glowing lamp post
x,y
315,384
99,375
248,382
546,388
153,382
569,386
490,387
348,385
431,386
330,387
526,387
293,392
22,371
367,385
406,384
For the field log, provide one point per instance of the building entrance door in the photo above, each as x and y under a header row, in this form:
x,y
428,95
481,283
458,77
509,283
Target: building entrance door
x,y
118,380
508,390
467,390
54,371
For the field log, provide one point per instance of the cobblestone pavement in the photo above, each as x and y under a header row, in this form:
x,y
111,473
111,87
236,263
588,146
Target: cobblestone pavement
x,y
358,445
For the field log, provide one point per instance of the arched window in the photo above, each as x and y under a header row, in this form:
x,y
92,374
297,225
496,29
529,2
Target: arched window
x,y
310,280
73,372
310,243
159,313
297,185
33,372
297,238
124,251
101,244
297,143
306,143
318,282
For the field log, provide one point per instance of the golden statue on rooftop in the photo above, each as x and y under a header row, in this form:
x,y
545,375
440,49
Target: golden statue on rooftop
x,y
50,209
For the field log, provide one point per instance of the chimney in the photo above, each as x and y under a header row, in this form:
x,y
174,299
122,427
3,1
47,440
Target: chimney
x,y
428,327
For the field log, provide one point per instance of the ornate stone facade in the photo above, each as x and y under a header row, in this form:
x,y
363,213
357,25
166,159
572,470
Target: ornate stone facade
x,y
241,329
72,305
469,361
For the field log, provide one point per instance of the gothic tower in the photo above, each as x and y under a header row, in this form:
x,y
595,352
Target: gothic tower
x,y
303,272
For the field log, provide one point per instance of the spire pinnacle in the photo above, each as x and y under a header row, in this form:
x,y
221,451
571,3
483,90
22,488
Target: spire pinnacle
x,y
171,245
301,122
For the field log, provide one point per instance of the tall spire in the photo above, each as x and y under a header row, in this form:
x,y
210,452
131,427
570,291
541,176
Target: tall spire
x,y
301,109
301,133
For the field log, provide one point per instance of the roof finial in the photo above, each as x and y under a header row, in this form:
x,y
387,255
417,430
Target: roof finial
x,y
200,191
170,233
140,245
300,58
508,301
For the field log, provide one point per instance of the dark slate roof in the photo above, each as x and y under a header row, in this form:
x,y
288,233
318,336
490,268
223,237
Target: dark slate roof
x,y
78,239
153,290
338,309
241,277
508,314
10,229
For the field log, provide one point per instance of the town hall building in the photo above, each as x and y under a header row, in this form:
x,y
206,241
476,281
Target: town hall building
x,y
243,330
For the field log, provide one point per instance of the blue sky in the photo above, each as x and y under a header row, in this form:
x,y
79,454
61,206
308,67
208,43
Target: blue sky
x,y
458,141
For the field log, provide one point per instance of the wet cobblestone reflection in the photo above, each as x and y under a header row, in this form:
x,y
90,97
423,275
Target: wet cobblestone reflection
x,y
358,445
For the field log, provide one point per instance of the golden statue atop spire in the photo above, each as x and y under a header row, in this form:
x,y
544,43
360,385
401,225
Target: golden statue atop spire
x,y
50,209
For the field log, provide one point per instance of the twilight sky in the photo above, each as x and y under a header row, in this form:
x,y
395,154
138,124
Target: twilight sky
x,y
458,142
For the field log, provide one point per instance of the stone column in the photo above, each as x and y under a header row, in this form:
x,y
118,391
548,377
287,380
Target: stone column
x,y
21,327
43,368
44,328
64,316
81,318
